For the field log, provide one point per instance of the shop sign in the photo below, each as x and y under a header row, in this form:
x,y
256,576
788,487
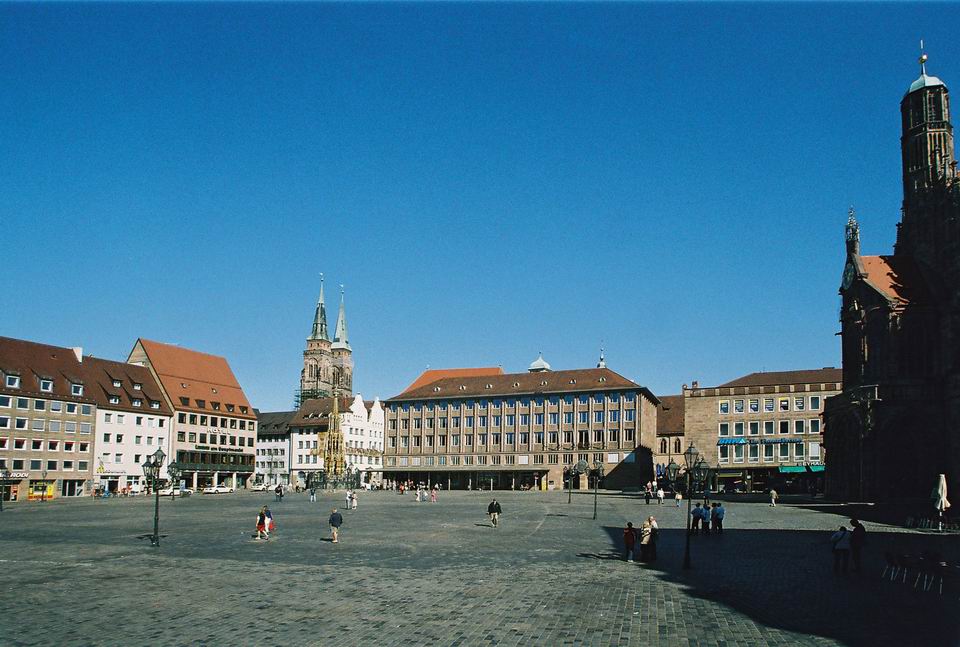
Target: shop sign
x,y
19,475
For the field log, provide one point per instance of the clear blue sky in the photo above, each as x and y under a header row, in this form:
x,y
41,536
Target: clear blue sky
x,y
488,181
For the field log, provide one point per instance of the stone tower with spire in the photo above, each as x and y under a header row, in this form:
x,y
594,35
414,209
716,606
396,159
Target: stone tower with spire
x,y
326,364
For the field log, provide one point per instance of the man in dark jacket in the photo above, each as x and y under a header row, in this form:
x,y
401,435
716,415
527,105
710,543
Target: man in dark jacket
x,y
857,539
494,511
336,520
629,541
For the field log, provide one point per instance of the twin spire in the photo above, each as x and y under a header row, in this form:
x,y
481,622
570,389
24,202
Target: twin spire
x,y
320,330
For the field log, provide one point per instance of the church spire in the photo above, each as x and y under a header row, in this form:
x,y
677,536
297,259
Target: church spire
x,y
603,362
340,339
853,233
319,330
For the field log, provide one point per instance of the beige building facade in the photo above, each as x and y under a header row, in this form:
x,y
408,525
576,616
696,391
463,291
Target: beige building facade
x,y
481,428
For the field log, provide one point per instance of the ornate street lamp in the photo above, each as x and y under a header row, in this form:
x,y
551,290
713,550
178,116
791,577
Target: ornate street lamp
x,y
597,475
672,470
5,475
691,461
151,471
173,469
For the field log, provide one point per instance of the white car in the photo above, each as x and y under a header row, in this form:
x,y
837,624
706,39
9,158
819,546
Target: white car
x,y
175,491
217,489
260,487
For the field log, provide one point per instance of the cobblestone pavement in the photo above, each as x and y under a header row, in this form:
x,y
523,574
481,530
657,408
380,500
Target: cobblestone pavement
x,y
75,573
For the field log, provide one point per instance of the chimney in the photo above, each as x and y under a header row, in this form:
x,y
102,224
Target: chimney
x,y
696,384
78,351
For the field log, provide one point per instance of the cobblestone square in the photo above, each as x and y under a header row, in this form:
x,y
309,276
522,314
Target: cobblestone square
x,y
75,573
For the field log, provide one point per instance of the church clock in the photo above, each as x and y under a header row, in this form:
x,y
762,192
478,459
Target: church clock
x,y
848,275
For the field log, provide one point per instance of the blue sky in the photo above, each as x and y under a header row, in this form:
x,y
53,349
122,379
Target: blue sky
x,y
488,181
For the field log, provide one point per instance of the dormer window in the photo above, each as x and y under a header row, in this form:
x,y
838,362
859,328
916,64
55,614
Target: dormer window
x,y
543,382
46,385
185,402
13,381
243,409
463,388
183,385
230,408
213,389
516,385
137,402
215,405
603,379
116,384
201,404
436,389
76,389
114,399
154,404
137,386
488,386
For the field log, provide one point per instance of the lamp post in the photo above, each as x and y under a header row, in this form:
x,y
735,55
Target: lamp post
x,y
43,486
151,470
694,467
5,475
597,475
568,477
173,469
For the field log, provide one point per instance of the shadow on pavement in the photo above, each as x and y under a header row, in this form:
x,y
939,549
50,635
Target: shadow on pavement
x,y
784,579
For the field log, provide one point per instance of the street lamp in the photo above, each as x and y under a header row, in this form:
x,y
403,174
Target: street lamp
x,y
5,475
597,475
173,469
151,471
691,462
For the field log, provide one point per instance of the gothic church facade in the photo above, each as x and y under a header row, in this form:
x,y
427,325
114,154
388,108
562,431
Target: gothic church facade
x,y
327,363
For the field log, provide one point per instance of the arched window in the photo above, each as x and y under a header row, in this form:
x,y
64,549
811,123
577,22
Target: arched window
x,y
676,446
663,445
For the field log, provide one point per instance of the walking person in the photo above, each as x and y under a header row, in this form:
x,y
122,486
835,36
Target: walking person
x,y
718,513
279,492
773,498
262,524
659,496
858,537
648,540
841,549
629,542
706,516
313,495
646,494
353,500
269,519
348,497
494,510
678,498
433,495
697,517
336,520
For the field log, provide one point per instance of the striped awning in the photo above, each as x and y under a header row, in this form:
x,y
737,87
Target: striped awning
x,y
732,441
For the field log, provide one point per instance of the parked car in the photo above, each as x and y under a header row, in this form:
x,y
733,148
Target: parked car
x,y
168,491
260,487
217,489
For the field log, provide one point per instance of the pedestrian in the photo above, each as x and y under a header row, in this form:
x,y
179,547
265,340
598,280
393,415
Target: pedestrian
x,y
262,529
841,549
648,540
660,496
858,537
697,517
348,497
313,495
279,492
718,513
494,510
773,498
433,495
678,498
629,541
353,500
705,515
646,495
336,520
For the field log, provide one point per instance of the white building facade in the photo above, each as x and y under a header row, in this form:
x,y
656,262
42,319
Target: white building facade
x,y
273,448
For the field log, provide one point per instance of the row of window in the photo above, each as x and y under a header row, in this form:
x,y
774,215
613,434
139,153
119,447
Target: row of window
x,y
272,451
40,424
583,417
13,381
36,464
597,398
118,458
137,440
271,464
56,406
312,459
137,402
202,404
235,441
800,403
510,437
782,452
225,423
769,427
138,420
37,444
508,459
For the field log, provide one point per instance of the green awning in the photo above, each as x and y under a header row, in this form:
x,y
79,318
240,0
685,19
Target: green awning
x,y
817,468
792,469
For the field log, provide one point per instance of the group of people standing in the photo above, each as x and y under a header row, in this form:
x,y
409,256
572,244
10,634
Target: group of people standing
x,y
644,539
706,516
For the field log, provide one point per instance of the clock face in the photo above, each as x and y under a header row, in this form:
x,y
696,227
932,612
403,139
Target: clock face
x,y
848,275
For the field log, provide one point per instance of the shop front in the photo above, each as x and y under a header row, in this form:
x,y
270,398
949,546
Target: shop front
x,y
12,485
41,489
470,479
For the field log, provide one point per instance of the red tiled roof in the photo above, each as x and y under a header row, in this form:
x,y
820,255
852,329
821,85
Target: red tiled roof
x,y
896,277
315,412
432,375
101,373
772,378
190,374
670,420
577,380
33,362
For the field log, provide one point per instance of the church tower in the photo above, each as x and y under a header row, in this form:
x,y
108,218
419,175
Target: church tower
x,y
317,376
342,354
929,163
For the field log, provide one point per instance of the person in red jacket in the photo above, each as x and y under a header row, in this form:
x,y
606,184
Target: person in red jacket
x,y
629,541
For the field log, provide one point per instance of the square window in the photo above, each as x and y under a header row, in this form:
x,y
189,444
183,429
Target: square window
x,y
724,452
798,426
5,401
738,429
768,404
56,405
71,407
754,428
784,426
23,403
724,406
798,404
815,426
815,402
13,381
76,389
724,428
754,405
738,406
39,405
784,404
21,423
